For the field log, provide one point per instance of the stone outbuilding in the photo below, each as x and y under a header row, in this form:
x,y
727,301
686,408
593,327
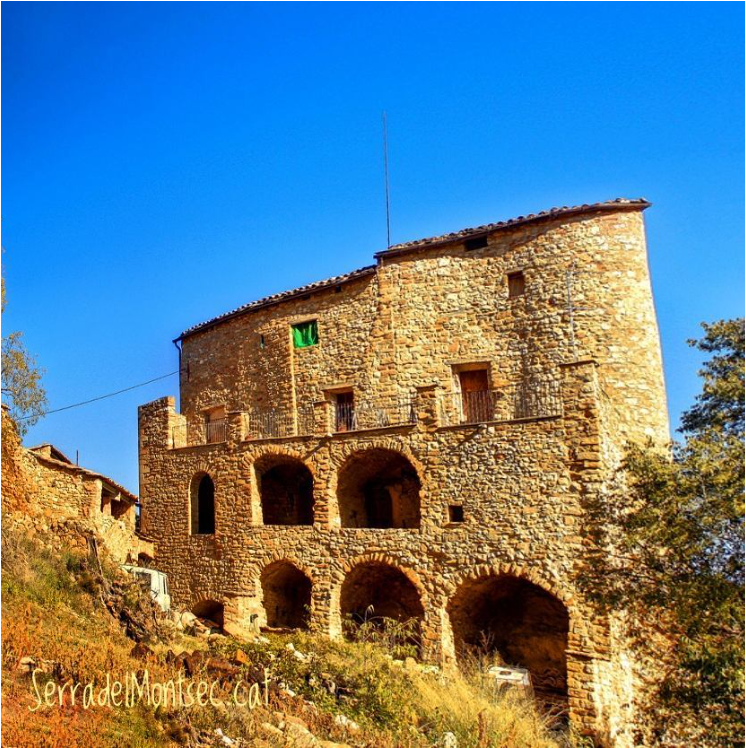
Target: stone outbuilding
x,y
70,482
44,485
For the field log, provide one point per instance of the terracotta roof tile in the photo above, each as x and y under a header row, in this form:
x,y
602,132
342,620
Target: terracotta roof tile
x,y
368,270
552,213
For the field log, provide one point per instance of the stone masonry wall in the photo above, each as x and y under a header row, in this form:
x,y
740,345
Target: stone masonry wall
x,y
428,311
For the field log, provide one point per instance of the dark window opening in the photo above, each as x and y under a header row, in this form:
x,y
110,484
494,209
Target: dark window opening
x,y
516,284
378,488
305,334
112,504
262,342
476,243
455,514
203,505
119,509
286,491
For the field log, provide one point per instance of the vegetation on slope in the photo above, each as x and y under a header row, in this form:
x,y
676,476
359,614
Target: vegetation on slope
x,y
57,615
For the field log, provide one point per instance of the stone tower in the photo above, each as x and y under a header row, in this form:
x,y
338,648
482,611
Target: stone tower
x,y
419,435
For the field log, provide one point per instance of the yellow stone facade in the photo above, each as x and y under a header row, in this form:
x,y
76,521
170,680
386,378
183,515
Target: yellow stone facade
x,y
429,456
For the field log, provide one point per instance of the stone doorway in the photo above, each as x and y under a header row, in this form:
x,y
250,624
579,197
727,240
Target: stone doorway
x,y
380,596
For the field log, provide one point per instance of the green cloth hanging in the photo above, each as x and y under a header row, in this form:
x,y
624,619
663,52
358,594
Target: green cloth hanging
x,y
305,334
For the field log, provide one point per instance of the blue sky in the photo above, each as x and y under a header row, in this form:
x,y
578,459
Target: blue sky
x,y
166,162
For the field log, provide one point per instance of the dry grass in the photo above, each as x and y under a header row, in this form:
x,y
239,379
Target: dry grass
x,y
52,610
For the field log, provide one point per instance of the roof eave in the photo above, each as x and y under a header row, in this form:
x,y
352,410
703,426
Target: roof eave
x,y
566,212
482,231
278,299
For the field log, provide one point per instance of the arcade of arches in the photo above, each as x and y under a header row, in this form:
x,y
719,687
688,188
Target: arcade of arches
x,y
515,621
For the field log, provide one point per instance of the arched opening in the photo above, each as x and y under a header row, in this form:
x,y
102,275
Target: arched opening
x,y
378,488
202,505
516,623
380,597
286,491
211,612
287,596
144,560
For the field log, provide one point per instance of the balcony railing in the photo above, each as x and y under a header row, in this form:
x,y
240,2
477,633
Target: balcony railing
x,y
373,414
262,424
217,431
518,401
189,434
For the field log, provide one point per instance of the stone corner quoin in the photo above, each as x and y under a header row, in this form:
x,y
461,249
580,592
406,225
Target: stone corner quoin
x,y
421,436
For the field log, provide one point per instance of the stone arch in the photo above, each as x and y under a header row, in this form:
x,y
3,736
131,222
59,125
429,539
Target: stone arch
x,y
209,607
383,558
383,583
515,620
530,574
257,567
254,464
343,450
286,595
378,486
202,504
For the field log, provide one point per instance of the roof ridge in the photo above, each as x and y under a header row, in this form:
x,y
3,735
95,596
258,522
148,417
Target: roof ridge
x,y
556,212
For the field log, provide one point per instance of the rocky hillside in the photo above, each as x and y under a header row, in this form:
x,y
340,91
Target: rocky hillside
x,y
71,617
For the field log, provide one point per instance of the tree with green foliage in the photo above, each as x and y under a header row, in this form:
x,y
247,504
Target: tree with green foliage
x,y
21,380
669,548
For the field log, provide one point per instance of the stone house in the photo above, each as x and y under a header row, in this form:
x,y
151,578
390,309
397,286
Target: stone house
x,y
71,483
44,486
420,436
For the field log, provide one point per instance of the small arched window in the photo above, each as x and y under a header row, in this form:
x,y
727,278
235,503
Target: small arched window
x,y
203,505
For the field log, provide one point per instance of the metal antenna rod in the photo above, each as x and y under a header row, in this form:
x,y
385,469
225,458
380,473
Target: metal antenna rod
x,y
386,176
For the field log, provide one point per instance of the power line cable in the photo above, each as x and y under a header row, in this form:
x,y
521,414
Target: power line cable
x,y
98,398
